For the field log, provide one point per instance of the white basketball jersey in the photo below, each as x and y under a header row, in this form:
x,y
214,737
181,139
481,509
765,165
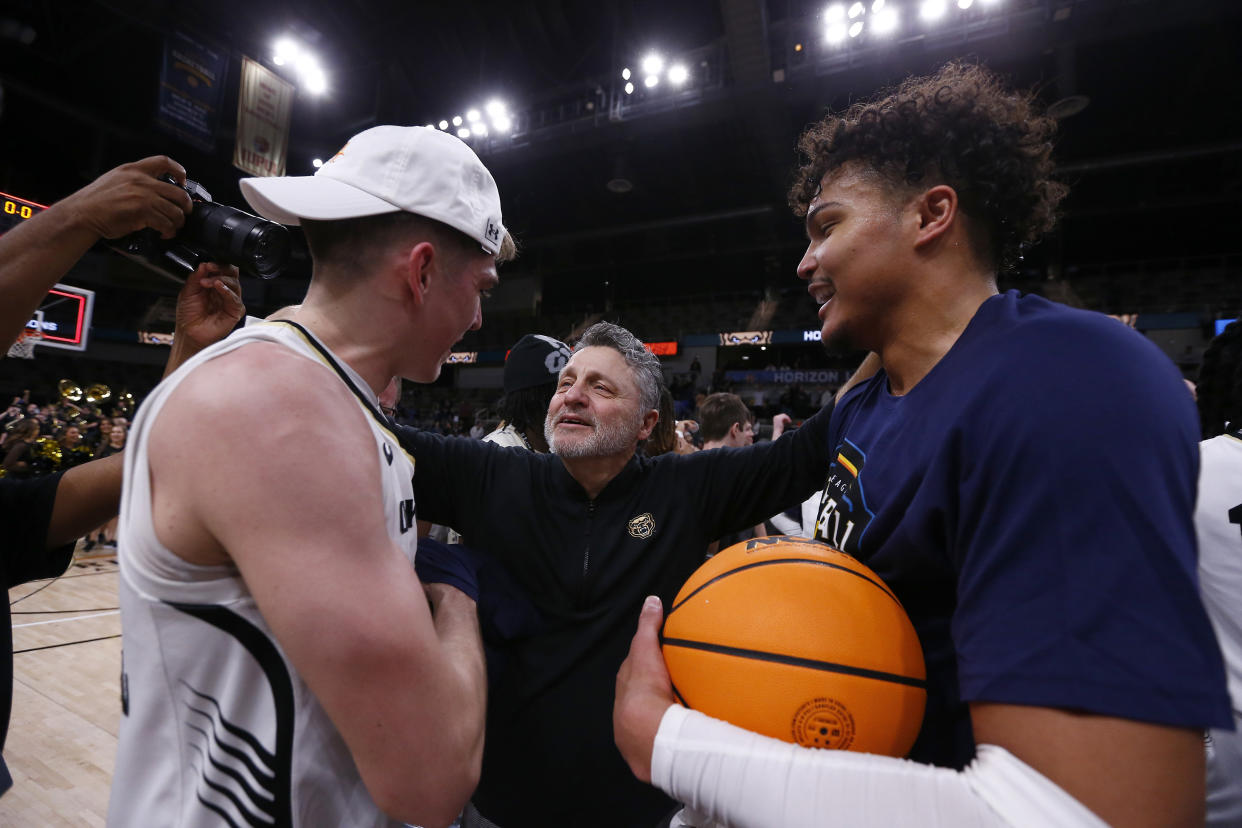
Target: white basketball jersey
x,y
218,728
1218,521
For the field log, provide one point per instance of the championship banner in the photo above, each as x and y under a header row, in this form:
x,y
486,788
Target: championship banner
x,y
191,89
263,111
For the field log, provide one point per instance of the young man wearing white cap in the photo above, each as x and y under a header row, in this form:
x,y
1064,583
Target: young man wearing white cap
x,y
281,664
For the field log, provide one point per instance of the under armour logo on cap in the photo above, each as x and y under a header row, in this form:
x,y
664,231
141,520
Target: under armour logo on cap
x,y
492,232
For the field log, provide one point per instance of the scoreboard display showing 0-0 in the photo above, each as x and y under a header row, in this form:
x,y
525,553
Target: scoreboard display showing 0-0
x,y
14,211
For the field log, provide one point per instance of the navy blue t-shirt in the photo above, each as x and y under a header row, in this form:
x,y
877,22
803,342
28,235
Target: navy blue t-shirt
x,y
1031,502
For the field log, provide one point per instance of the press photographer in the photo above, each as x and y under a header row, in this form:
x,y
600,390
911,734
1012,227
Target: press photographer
x,y
43,516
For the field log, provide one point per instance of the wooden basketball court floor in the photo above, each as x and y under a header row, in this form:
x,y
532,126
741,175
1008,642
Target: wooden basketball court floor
x,y
61,746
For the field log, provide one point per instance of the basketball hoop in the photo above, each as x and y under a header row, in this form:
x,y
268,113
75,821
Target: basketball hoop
x,y
23,348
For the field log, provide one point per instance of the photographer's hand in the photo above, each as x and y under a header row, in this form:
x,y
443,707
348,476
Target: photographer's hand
x,y
208,307
132,197
37,253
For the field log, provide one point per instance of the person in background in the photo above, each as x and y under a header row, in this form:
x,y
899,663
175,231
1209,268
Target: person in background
x,y
1218,522
44,517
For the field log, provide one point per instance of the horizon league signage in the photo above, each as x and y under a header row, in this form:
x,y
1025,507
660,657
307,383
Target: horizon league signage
x,y
827,376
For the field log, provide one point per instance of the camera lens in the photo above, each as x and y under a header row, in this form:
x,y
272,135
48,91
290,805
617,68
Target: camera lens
x,y
239,238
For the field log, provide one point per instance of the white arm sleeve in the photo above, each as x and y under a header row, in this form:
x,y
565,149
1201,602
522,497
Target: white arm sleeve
x,y
785,524
731,777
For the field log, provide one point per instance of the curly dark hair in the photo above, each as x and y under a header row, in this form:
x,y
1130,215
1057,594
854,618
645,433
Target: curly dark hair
x,y
1219,388
961,127
526,408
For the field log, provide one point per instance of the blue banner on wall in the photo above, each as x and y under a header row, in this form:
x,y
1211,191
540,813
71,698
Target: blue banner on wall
x,y
191,90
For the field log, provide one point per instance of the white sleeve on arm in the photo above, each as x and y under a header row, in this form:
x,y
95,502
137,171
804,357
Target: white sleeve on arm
x,y
731,777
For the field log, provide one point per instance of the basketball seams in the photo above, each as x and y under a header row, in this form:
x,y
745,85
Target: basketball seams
x,y
755,564
795,661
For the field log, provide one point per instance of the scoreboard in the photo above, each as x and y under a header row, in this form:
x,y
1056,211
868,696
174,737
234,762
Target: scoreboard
x,y
14,211
64,315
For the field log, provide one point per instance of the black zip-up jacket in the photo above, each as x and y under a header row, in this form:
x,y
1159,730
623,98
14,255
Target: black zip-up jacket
x,y
549,756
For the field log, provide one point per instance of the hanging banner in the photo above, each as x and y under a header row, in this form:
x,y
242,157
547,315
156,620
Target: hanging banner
x,y
191,90
263,111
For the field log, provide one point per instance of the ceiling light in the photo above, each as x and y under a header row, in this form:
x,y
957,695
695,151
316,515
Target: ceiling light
x,y
317,163
285,50
472,115
876,6
463,133
316,82
678,74
965,4
856,10
856,28
932,9
885,22
836,33
629,88
456,120
651,80
653,64
495,108
444,125
502,123
625,73
834,13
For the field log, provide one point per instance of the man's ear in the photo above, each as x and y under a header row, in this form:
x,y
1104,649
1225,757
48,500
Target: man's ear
x,y
419,264
937,213
735,433
649,422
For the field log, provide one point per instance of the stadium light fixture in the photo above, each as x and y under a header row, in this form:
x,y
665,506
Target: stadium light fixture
x,y
836,33
285,50
678,74
444,125
856,28
857,10
651,80
472,115
965,4
629,88
877,6
317,163
625,73
653,64
932,10
457,120
885,21
502,123
834,13
463,133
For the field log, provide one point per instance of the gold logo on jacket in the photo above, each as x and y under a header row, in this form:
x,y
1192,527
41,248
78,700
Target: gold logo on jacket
x,y
641,527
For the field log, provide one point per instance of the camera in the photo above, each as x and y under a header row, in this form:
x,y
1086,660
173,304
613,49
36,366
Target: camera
x,y
212,233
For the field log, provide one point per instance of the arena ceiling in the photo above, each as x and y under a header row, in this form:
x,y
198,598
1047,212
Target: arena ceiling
x,y
1154,160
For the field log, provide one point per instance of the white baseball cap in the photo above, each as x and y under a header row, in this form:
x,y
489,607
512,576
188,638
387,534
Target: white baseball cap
x,y
387,169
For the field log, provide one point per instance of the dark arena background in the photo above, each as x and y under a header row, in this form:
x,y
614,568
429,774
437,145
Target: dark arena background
x,y
661,207
643,151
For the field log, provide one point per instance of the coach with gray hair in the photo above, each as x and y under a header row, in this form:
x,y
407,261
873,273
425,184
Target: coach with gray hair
x,y
587,532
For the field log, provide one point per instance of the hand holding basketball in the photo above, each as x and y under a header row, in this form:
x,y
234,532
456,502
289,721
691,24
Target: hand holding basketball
x,y
792,639
644,693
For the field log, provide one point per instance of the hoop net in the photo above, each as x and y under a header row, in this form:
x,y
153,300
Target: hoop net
x,y
23,348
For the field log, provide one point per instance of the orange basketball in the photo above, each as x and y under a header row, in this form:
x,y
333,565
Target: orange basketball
x,y
792,639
